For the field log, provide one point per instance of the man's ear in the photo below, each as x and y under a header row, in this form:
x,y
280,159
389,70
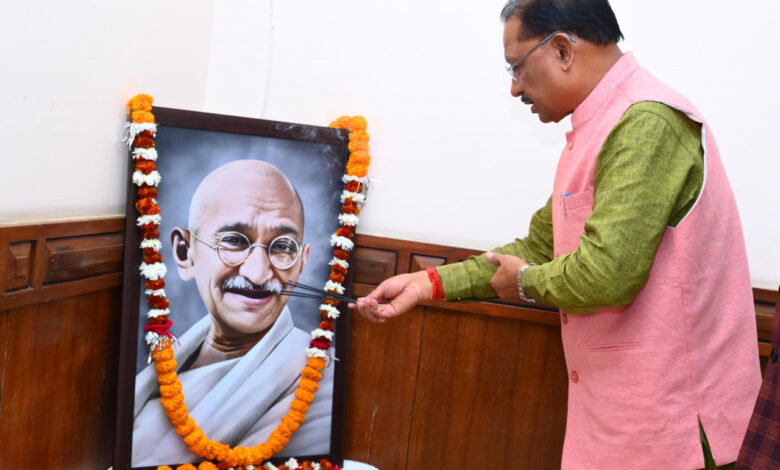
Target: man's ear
x,y
565,50
304,257
182,254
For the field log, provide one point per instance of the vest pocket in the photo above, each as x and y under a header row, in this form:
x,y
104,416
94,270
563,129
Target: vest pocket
x,y
574,210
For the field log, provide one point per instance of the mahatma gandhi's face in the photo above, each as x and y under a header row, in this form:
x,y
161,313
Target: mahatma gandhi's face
x,y
261,205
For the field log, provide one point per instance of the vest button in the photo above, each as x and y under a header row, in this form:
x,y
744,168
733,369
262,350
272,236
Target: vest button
x,y
574,377
564,318
773,355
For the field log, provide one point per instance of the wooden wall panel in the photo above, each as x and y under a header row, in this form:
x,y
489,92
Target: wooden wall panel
x,y
59,383
491,393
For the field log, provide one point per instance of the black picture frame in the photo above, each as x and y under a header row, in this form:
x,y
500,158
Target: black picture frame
x,y
293,142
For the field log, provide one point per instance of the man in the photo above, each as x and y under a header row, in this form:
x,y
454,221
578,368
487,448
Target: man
x,y
240,364
639,246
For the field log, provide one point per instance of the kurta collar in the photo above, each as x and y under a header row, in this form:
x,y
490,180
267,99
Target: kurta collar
x,y
623,68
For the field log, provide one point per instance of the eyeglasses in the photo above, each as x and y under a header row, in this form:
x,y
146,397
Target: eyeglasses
x,y
233,248
512,68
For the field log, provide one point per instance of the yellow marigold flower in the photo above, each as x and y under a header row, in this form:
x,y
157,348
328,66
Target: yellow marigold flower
x,y
297,415
142,116
304,395
142,102
311,374
316,363
309,385
165,366
167,378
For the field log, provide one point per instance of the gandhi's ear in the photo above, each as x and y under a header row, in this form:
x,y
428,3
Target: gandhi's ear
x,y
304,257
182,253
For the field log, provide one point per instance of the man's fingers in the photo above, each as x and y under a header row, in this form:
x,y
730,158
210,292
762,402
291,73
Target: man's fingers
x,y
493,258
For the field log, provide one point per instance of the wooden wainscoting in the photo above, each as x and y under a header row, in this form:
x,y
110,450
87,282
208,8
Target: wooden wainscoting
x,y
463,385
59,337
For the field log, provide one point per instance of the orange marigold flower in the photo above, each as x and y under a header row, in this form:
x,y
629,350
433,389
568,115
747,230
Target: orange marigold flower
x,y
357,145
143,142
186,466
357,170
325,325
164,467
146,206
145,167
164,354
178,416
348,231
291,423
148,251
359,136
170,390
141,117
296,415
311,374
207,466
140,102
359,155
357,123
299,405
325,465
316,363
150,234
147,191
304,395
156,301
167,378
309,385
187,427
155,258
195,438
336,278
165,366
154,285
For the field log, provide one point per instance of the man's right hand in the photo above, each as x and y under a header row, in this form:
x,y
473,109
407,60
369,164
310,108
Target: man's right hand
x,y
395,296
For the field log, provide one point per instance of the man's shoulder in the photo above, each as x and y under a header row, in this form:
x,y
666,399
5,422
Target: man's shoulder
x,y
646,114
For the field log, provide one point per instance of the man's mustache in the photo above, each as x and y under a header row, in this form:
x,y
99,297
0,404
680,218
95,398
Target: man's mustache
x,y
240,283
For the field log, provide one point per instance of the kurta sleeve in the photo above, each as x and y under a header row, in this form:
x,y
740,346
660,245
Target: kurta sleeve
x,y
470,279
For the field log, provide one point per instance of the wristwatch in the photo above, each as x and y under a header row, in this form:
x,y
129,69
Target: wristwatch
x,y
520,284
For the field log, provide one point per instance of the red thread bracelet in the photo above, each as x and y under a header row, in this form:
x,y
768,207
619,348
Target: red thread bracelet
x,y
438,288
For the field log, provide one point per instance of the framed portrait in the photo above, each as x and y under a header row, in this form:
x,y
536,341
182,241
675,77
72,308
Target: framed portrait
x,y
247,206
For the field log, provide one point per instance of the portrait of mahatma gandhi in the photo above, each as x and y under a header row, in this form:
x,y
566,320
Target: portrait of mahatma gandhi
x,y
240,363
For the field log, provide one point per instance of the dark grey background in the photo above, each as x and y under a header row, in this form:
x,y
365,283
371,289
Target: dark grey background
x,y
188,155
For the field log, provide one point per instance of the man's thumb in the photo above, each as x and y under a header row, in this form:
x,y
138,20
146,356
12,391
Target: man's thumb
x,y
493,258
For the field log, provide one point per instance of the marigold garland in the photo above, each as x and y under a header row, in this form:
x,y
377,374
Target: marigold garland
x,y
142,132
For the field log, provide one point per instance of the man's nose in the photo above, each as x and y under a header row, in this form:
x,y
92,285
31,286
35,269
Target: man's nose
x,y
516,88
257,267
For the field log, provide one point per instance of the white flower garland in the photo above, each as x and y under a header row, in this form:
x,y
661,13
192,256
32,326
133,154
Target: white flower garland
x,y
342,242
149,219
350,220
153,271
154,244
146,154
331,286
152,179
357,197
332,311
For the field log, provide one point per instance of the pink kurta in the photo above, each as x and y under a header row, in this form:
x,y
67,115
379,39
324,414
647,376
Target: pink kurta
x,y
687,346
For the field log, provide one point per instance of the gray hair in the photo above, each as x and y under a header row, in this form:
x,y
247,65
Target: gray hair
x,y
510,9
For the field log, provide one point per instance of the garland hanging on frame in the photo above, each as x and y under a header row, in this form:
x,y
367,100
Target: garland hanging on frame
x,y
142,132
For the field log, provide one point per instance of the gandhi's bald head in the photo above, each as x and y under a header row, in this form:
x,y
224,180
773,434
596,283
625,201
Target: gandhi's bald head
x,y
259,179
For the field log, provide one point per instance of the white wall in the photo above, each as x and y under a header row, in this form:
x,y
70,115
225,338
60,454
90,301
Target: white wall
x,y
68,70
456,160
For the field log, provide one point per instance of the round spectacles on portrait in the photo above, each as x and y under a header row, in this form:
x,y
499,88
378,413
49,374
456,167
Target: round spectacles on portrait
x,y
233,248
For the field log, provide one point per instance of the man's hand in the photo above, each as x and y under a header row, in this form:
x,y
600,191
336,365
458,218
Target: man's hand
x,y
504,281
395,296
